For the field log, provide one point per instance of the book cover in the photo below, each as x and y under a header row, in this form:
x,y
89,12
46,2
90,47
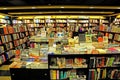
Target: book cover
x,y
92,62
5,30
111,60
88,38
82,37
3,39
69,63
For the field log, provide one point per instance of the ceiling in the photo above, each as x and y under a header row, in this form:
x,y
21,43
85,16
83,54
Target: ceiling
x,y
51,7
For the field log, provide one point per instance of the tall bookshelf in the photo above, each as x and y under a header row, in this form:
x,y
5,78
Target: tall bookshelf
x,y
12,38
68,24
112,31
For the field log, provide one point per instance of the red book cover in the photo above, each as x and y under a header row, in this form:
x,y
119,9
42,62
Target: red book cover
x,y
3,57
5,30
10,29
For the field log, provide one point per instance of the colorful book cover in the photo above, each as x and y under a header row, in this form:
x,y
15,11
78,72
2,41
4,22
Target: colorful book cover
x,y
88,38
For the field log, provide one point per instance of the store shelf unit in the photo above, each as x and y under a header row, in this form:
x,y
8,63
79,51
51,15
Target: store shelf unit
x,y
84,66
56,24
11,37
113,31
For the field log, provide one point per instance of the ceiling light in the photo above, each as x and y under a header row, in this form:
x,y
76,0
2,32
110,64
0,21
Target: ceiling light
x,y
91,7
118,8
33,7
61,7
4,8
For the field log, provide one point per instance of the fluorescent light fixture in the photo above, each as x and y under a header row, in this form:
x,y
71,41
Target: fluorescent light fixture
x,y
33,7
62,7
5,8
118,8
91,7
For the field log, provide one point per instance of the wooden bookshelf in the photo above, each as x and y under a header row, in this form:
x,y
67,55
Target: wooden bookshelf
x,y
19,35
86,70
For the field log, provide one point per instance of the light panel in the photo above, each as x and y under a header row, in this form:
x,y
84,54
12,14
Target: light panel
x,y
57,7
53,12
61,17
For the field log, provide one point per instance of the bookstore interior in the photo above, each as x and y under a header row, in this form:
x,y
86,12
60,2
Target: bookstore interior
x,y
54,42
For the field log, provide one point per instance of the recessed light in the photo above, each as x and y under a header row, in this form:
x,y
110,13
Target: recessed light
x,y
91,7
118,8
4,8
62,7
33,7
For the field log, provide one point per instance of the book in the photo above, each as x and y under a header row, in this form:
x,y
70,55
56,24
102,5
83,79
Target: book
x,y
88,38
3,39
82,37
10,29
92,63
100,61
1,49
53,74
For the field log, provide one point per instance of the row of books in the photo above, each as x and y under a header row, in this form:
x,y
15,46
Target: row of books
x,y
62,21
35,25
104,74
20,41
68,63
113,28
9,46
7,29
104,62
20,28
5,38
6,56
8,38
9,54
93,74
67,75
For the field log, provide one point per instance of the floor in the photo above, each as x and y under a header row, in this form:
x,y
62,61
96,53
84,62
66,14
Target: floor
x,y
4,72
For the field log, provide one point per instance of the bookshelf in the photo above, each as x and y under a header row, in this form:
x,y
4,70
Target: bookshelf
x,y
84,66
12,37
35,25
113,31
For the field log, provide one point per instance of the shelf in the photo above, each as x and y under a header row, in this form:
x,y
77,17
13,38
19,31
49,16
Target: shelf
x,y
36,27
67,68
107,32
106,67
85,55
108,79
12,33
6,42
116,40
